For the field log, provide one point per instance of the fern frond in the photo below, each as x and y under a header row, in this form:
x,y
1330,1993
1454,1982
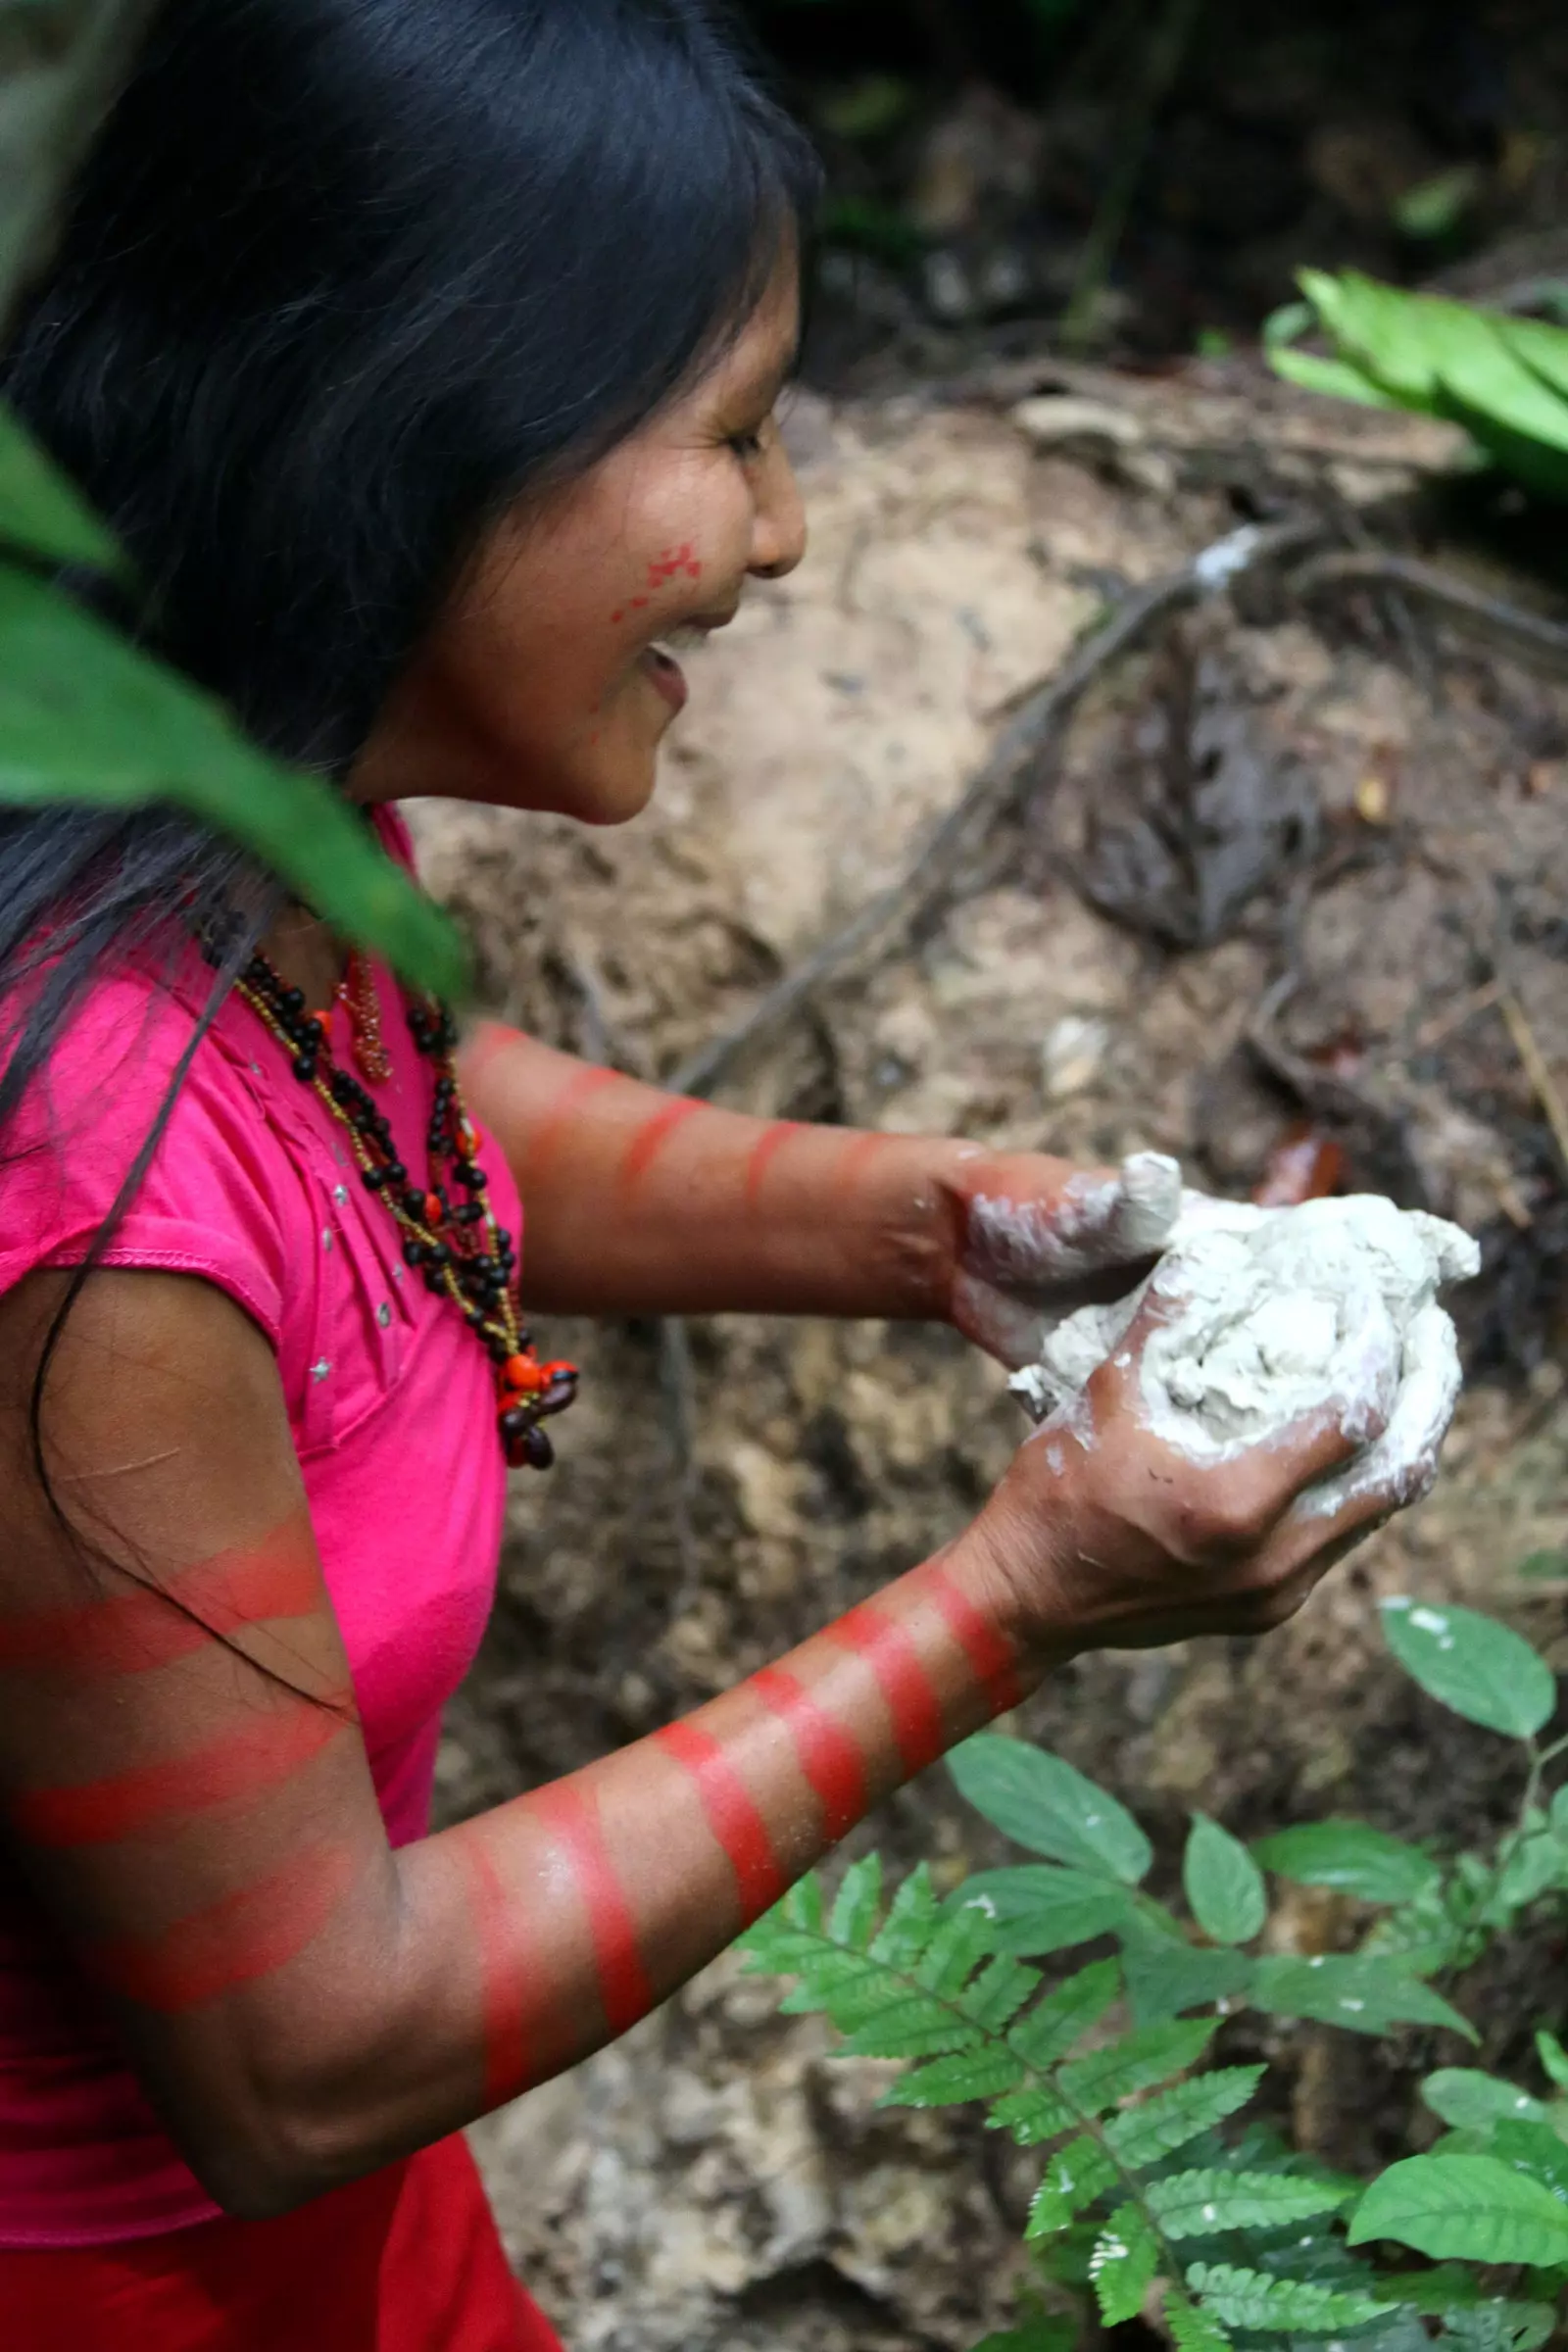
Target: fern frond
x,y
998,1992
858,1905
1122,2266
1075,2177
912,2026
1032,2117
1199,2204
962,1940
1171,2122
914,1916
1191,2330
1066,2015
1266,2306
1136,2062
951,2082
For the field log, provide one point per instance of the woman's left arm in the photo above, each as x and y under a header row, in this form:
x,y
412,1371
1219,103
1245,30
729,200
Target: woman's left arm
x,y
643,1203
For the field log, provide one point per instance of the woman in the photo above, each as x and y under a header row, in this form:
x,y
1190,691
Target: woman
x,y
425,359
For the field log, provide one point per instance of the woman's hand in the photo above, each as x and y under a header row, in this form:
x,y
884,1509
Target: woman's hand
x,y
1034,1239
1102,1536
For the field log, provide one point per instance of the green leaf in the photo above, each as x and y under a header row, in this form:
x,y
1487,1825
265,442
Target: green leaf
x,y
1536,1864
1066,2015
1269,2306
912,2026
953,2081
1224,1885
1162,2125
1363,1993
43,512
1032,2116
1122,2266
1166,1973
912,1919
1075,2177
1350,1855
1338,379
858,1904
961,1941
1469,2208
1201,2204
1136,2062
805,1905
1501,2326
998,1992
86,718
1482,1670
1045,2334
1042,1803
1191,2330
1472,2101
1039,1907
1534,2148
1554,2057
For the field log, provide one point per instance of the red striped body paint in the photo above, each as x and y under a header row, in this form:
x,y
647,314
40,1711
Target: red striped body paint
x,y
131,1632
764,1154
507,2066
995,1669
236,1942
490,1039
652,1137
571,1816
732,1815
900,1673
242,1764
829,1756
856,1156
540,1145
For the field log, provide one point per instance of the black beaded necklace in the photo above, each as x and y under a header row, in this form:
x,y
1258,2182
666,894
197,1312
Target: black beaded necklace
x,y
456,1243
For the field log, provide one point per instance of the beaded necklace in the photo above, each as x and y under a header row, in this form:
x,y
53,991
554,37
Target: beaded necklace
x,y
456,1243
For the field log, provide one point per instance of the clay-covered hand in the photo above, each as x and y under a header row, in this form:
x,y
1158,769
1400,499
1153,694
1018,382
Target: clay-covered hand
x,y
1102,1535
1036,1239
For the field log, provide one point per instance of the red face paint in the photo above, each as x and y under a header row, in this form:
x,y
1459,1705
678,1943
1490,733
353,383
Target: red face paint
x,y
131,1632
764,1154
829,1756
651,1139
242,1764
995,1669
571,1819
506,2069
732,1815
233,1942
545,1139
900,1673
672,563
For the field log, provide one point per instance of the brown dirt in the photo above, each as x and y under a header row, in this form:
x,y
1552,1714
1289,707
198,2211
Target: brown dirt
x,y
715,2181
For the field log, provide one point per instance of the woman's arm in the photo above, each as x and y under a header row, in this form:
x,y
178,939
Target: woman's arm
x,y
198,1814
645,1203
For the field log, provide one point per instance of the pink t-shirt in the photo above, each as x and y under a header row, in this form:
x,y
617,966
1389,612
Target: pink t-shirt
x,y
391,1403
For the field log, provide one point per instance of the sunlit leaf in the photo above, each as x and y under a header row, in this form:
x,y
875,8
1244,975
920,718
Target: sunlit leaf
x,y
1482,1670
1361,1993
1041,1802
1039,1907
1350,1855
1472,2101
1466,2208
1224,1885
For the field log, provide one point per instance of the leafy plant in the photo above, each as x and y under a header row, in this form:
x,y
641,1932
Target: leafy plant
x,y
1148,2186
1504,379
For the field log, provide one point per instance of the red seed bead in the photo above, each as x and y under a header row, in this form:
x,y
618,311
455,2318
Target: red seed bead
x,y
433,1212
523,1376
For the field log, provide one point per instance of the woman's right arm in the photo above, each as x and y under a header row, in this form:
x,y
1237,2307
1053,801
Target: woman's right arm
x,y
198,1814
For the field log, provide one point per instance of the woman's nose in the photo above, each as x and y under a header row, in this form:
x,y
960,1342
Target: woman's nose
x,y
778,541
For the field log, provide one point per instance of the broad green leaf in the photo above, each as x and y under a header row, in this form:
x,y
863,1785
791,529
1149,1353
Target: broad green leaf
x,y
1501,2326
1558,1813
1039,1907
1201,2204
1064,2016
1361,1993
43,512
1554,2057
998,1992
1122,2266
953,2081
1466,2208
1075,2177
1472,2101
1164,1977
1339,379
1351,1856
1136,2062
1536,1864
1543,348
857,1903
1481,1669
1191,2330
1032,2116
1445,2287
84,718
1269,2306
1162,2125
1223,1885
1534,2148
1041,1802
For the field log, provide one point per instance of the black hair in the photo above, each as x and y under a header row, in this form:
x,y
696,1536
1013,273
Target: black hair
x,y
343,282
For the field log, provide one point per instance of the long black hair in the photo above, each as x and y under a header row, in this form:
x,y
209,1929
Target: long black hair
x,y
342,282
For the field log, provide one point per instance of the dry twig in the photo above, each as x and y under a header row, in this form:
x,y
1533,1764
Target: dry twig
x,y
1527,635
1536,1068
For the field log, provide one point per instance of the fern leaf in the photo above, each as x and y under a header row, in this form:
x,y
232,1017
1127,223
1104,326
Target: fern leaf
x,y
1162,2125
1064,2016
1136,2062
951,2082
998,1992
805,1905
912,2026
1191,2330
1266,2306
855,1907
1075,2177
1032,2117
1201,2204
825,1973
1122,2266
962,1939
913,1917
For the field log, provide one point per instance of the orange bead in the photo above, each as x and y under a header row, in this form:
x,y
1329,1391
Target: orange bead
x,y
433,1212
523,1376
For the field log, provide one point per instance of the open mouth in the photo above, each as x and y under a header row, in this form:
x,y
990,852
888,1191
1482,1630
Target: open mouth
x,y
662,667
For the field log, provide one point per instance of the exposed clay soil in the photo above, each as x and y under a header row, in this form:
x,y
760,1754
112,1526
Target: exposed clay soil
x,y
715,2181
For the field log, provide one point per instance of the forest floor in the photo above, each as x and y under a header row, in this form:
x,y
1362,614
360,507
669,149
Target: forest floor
x,y
1295,877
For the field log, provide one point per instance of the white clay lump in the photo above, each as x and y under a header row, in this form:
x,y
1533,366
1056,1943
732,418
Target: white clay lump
x,y
1277,1314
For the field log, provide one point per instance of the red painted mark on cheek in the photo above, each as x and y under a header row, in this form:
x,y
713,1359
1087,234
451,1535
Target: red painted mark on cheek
x,y
672,563
233,1942
235,1768
507,2068
995,1667
572,1821
640,604
616,618
764,1154
553,1129
133,1633
732,1815
901,1677
829,1756
651,1139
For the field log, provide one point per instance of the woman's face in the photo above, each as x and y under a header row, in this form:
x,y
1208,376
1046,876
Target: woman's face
x,y
548,682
